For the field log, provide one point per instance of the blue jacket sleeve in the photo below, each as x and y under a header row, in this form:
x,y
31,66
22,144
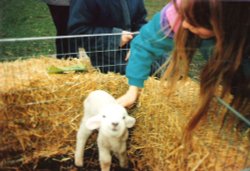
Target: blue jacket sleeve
x,y
149,45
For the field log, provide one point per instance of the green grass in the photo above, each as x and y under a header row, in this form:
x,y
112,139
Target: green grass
x,y
25,18
31,18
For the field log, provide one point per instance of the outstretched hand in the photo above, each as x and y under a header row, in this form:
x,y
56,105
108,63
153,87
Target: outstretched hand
x,y
125,38
130,97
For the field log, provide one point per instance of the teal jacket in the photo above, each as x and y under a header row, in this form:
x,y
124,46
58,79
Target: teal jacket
x,y
152,44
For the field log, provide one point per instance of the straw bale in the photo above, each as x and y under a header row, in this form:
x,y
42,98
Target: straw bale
x,y
40,114
162,120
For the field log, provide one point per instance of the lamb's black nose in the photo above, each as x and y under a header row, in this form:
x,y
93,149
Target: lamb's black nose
x,y
114,123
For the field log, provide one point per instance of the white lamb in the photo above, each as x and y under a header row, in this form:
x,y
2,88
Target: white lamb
x,y
101,111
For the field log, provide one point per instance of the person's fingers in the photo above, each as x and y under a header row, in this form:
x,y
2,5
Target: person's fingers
x,y
130,98
127,56
125,101
125,38
130,36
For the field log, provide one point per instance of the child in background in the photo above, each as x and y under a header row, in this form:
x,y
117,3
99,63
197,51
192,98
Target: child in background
x,y
119,18
59,11
220,29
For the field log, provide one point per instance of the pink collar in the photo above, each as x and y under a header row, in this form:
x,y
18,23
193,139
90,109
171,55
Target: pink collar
x,y
173,17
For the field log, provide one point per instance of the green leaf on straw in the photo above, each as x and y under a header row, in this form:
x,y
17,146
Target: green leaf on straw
x,y
56,70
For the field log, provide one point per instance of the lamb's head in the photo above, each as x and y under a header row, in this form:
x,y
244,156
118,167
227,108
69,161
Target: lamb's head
x,y
111,121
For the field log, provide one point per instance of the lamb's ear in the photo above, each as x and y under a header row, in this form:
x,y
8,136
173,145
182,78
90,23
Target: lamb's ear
x,y
93,122
130,121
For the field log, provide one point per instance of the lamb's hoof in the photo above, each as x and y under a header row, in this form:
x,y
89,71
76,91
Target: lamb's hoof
x,y
124,164
79,163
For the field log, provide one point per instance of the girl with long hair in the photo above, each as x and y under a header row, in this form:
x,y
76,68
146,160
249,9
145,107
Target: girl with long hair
x,y
219,29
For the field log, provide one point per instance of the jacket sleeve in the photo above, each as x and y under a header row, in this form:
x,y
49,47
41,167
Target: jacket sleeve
x,y
149,45
83,13
140,17
82,16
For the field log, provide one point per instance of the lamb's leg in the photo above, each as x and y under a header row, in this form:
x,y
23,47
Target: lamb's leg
x,y
122,156
104,158
123,159
82,137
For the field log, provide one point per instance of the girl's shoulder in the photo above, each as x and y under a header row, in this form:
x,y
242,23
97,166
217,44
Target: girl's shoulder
x,y
170,15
